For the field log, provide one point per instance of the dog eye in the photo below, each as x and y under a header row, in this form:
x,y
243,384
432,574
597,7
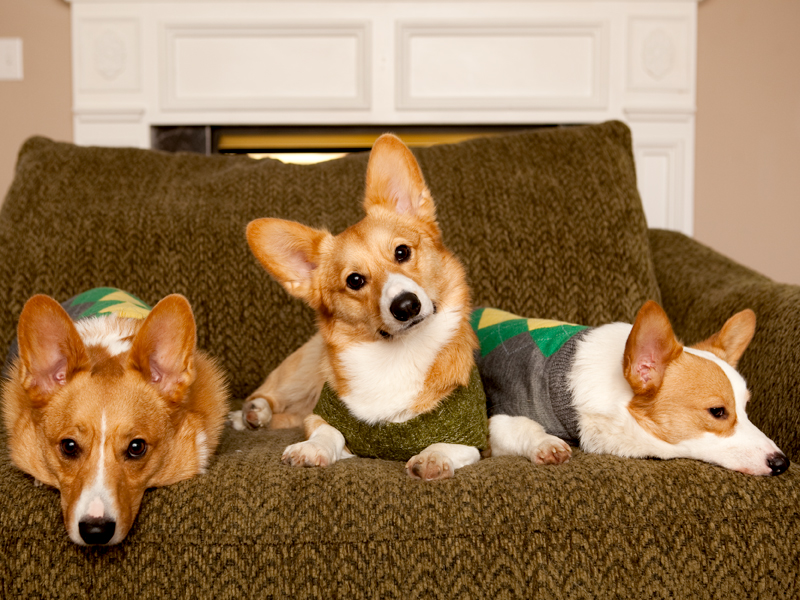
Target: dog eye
x,y
355,281
718,412
70,448
402,253
137,448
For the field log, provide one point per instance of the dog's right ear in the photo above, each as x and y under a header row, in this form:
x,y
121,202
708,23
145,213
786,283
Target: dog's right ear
x,y
395,181
289,251
650,347
50,348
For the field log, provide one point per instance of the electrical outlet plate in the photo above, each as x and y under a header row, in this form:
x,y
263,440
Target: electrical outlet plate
x,y
10,59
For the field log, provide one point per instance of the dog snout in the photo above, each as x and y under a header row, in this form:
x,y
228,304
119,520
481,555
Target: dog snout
x,y
97,531
777,463
405,306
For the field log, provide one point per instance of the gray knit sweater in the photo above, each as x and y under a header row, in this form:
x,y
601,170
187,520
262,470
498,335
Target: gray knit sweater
x,y
524,365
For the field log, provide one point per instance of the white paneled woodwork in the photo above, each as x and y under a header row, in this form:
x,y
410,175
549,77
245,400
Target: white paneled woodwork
x,y
141,63
278,66
107,55
452,66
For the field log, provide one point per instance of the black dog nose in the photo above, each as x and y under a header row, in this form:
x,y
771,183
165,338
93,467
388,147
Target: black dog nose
x,y
405,306
778,463
96,531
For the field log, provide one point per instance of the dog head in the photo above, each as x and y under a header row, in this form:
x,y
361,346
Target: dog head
x,y
93,410
380,277
693,397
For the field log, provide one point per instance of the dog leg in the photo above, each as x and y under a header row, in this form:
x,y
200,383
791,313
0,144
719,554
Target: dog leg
x,y
256,412
439,461
293,387
521,436
325,445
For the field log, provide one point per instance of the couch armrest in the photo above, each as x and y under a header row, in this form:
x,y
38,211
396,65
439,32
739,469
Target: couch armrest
x,y
701,288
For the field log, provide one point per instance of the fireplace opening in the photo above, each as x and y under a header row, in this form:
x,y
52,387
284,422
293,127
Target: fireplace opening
x,y
308,144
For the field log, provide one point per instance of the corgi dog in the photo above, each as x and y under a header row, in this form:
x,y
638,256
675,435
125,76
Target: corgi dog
x,y
106,406
628,390
392,303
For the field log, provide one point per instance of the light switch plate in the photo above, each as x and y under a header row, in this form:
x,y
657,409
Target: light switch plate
x,y
10,59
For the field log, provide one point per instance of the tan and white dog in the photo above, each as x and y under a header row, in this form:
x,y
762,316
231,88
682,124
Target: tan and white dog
x,y
107,406
636,391
392,308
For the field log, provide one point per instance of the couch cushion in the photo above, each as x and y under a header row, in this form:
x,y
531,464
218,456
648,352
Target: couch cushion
x,y
548,223
570,248
597,527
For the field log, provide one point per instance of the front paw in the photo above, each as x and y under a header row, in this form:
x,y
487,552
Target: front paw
x,y
429,466
308,454
550,451
256,412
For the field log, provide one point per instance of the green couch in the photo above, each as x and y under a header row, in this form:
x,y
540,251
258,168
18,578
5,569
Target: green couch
x,y
548,223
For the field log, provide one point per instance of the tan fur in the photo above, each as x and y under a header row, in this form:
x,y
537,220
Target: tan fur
x,y
674,390
292,389
162,391
314,265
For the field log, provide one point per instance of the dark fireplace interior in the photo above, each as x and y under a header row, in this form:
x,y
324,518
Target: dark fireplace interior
x,y
307,143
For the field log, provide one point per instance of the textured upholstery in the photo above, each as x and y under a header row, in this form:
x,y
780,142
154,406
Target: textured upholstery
x,y
548,223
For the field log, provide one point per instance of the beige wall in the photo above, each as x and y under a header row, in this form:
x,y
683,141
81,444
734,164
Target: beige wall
x,y
42,102
748,119
747,180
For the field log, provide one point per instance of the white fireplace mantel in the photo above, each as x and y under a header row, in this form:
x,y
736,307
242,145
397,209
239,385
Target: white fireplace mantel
x,y
144,63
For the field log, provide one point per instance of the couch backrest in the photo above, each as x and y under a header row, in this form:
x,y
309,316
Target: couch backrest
x,y
548,222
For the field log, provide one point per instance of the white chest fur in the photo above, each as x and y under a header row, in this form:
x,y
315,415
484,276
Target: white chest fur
x,y
108,331
602,394
385,377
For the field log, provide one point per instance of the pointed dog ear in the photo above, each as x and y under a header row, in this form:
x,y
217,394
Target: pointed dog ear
x,y
395,182
730,342
50,348
163,349
650,347
289,251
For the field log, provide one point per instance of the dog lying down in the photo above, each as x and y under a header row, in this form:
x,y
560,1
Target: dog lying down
x,y
110,404
628,390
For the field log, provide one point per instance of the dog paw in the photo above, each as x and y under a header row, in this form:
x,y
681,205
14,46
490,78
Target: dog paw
x,y
429,466
256,413
551,451
236,421
308,454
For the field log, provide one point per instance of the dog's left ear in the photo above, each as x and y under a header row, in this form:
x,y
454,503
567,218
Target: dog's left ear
x,y
394,180
730,342
650,347
163,350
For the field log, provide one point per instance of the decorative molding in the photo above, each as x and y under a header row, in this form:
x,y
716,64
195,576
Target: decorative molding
x,y
109,115
108,55
107,2
659,54
251,66
480,66
660,114
660,171
397,62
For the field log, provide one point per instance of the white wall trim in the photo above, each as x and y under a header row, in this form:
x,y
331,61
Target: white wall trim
x,y
144,63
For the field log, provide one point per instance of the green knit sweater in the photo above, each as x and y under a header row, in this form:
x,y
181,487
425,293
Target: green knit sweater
x,y
458,419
